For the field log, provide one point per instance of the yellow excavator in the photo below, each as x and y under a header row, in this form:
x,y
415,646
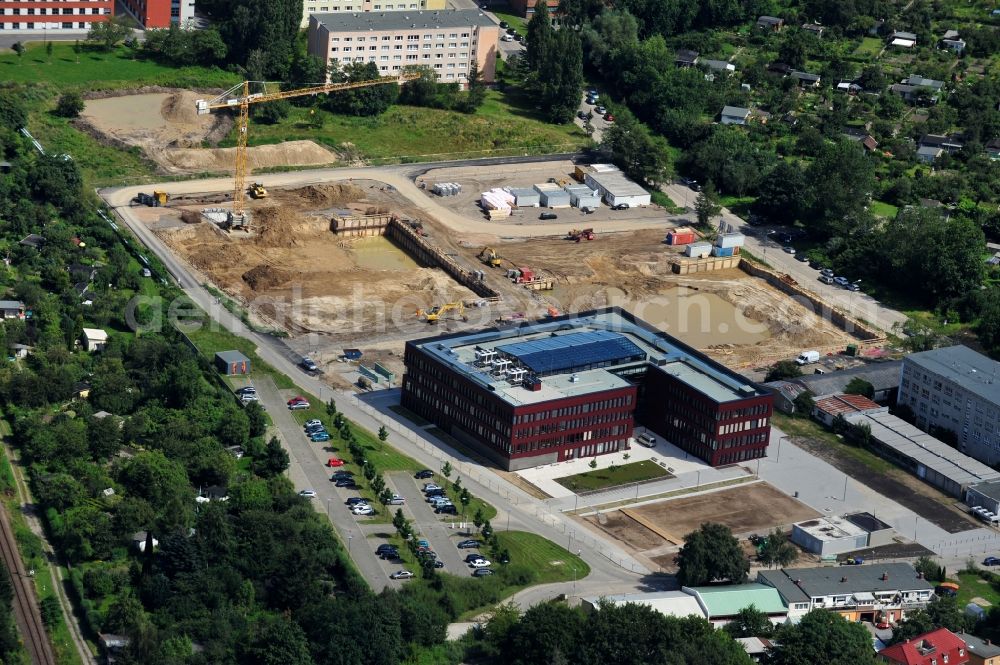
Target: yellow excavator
x,y
490,257
437,311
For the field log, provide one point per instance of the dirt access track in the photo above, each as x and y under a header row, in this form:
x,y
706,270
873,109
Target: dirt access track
x,y
162,122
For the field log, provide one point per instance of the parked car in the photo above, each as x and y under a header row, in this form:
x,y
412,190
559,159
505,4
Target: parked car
x,y
621,206
423,474
438,563
475,556
318,427
298,406
308,364
363,509
511,31
481,563
803,258
319,437
582,115
355,500
883,625
506,38
467,544
313,423
608,117
401,575
548,215
826,272
826,279
504,24
788,249
429,487
600,110
389,555
482,572
397,500
841,281
446,510
344,482
991,561
385,547
246,390
248,397
343,473
308,494
518,37
296,399
335,461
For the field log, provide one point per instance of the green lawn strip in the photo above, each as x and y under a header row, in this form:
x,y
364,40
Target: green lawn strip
x,y
488,511
552,562
408,133
810,429
97,70
972,586
883,209
868,48
625,474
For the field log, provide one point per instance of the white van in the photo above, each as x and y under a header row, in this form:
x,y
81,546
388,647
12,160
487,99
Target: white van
x,y
646,440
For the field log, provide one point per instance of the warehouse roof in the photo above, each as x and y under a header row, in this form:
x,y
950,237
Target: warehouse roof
x,y
841,405
882,376
400,20
990,488
801,584
908,441
617,183
728,600
671,603
971,371
231,356
591,346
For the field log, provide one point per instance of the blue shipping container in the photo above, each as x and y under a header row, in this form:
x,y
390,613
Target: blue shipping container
x,y
722,251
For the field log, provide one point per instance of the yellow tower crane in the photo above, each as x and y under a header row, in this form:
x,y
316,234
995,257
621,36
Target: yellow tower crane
x,y
240,97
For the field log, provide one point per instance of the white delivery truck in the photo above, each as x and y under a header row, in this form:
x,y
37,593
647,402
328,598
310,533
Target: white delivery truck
x,y
807,357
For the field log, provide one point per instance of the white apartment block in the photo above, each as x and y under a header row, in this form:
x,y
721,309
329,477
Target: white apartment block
x,y
957,389
447,41
310,7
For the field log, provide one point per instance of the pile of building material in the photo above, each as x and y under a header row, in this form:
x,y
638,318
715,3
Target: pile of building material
x,y
447,188
497,203
728,244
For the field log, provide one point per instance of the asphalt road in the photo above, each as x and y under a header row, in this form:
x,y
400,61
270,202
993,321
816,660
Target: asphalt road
x,y
431,526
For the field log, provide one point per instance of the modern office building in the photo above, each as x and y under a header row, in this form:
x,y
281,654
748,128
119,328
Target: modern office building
x,y
448,41
570,386
310,7
955,389
52,16
160,13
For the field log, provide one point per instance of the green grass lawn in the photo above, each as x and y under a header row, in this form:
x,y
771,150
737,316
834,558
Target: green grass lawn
x,y
620,475
552,562
515,21
810,429
868,48
97,70
407,133
973,586
883,209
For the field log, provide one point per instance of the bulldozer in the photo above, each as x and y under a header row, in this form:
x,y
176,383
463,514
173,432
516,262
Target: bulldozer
x,y
578,235
257,190
490,257
437,311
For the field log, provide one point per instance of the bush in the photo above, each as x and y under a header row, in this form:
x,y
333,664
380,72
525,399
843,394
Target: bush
x,y
51,611
70,105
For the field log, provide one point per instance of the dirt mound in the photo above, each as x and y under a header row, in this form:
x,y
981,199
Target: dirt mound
x,y
263,277
290,153
178,108
329,195
277,226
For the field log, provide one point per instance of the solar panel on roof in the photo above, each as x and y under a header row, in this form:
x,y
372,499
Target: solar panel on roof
x,y
562,353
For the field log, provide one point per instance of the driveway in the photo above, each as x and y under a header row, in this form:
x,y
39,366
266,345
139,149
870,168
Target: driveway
x,y
307,472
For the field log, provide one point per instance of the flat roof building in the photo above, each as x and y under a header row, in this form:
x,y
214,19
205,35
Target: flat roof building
x,y
615,187
567,387
957,389
448,41
931,460
348,6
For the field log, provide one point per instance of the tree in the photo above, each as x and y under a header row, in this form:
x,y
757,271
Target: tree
x,y
399,519
636,150
109,34
777,551
372,100
593,463
941,612
275,460
543,631
257,418
839,185
275,640
476,88
750,622
19,50
271,113
540,38
560,78
331,408
711,553
792,51
487,530
823,637
50,609
478,518
706,206
12,111
781,193
804,403
783,369
465,498
858,386
383,433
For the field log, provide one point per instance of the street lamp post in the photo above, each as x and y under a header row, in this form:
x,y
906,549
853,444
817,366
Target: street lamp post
x,y
698,481
777,457
349,539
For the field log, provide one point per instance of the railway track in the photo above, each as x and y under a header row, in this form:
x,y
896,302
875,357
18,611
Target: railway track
x,y
26,611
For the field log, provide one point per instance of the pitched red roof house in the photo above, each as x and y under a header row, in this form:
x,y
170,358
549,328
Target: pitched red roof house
x,y
938,647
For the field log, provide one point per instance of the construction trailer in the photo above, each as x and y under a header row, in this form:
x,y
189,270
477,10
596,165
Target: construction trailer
x,y
698,250
615,188
682,235
525,197
581,196
551,195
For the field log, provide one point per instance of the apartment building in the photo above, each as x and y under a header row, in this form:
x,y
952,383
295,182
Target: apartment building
x,y
956,389
52,16
310,7
448,41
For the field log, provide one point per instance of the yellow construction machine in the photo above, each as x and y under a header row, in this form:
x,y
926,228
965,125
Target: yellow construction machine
x,y
257,190
437,311
490,257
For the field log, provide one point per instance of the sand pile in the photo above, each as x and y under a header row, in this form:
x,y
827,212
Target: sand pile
x,y
276,226
263,277
328,195
290,153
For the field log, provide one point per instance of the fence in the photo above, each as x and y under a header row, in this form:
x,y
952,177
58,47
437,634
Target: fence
x,y
577,538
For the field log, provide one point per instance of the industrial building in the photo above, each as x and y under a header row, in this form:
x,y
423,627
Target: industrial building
x,y
348,6
716,604
877,592
931,460
985,495
956,389
883,375
568,386
448,41
828,409
828,536
53,16
581,196
614,187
